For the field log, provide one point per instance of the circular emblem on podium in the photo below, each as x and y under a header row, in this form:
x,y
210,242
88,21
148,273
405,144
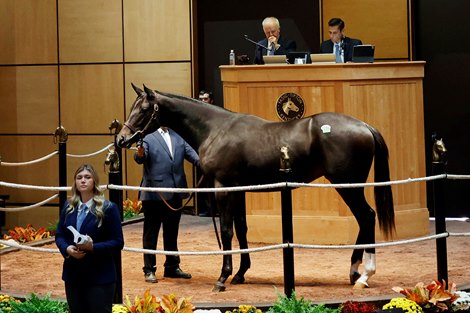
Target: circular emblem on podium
x,y
290,106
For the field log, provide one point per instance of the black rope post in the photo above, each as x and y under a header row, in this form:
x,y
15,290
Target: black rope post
x,y
113,160
439,163
287,225
60,137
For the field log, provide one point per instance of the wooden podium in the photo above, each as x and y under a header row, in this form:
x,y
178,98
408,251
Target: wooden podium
x,y
388,96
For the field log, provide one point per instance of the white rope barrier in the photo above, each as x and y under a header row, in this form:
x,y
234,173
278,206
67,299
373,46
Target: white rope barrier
x,y
454,176
54,153
273,186
357,185
32,206
90,154
23,186
14,244
29,162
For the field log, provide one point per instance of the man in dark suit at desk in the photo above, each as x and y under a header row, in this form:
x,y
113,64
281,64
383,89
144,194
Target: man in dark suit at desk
x,y
339,44
277,45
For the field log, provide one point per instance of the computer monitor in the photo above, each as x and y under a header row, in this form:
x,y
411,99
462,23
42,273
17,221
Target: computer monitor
x,y
363,54
323,58
274,59
304,55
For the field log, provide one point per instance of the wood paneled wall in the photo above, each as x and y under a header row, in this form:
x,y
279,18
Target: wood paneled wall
x,y
70,63
384,24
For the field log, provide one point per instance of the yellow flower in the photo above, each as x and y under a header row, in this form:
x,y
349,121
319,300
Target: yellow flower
x,y
406,305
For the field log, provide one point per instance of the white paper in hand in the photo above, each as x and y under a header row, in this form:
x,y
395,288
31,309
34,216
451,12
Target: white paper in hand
x,y
77,237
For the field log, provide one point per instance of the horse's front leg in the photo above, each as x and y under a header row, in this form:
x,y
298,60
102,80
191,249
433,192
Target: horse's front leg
x,y
226,230
241,230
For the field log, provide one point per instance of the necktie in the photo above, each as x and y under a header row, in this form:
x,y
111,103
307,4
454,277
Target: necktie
x,y
81,215
273,48
338,53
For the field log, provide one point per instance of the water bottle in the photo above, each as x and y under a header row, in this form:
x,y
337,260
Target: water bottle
x,y
231,58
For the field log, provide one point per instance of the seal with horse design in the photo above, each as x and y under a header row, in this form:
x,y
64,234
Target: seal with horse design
x,y
290,106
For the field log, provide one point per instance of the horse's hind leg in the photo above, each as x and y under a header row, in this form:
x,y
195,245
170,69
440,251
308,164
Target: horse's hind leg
x,y
365,216
241,230
224,201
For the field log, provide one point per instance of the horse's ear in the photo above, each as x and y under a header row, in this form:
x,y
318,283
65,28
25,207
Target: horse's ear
x,y
149,92
137,89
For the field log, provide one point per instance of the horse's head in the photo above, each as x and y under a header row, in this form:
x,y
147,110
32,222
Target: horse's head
x,y
289,106
143,118
439,151
112,160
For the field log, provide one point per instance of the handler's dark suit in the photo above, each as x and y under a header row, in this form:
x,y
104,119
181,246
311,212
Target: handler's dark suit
x,y
348,44
286,46
163,169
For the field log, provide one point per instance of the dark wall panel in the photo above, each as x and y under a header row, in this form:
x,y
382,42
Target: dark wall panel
x,y
442,40
222,24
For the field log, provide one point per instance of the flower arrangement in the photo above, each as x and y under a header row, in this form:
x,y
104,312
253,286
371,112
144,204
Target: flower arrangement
x,y
245,309
119,308
293,304
38,305
5,301
26,234
408,306
131,208
358,307
147,304
462,303
151,304
435,297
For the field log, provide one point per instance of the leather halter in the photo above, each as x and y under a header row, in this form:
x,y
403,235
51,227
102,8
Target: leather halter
x,y
141,133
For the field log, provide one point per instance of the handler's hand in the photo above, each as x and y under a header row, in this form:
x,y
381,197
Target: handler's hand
x,y
87,246
140,151
74,252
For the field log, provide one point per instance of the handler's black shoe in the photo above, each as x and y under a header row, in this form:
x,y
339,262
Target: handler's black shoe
x,y
176,273
150,278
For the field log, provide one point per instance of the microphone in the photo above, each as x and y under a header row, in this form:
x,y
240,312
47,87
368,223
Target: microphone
x,y
258,44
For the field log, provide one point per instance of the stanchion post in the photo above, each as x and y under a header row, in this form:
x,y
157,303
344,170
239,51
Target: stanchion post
x,y
439,167
287,225
60,137
113,159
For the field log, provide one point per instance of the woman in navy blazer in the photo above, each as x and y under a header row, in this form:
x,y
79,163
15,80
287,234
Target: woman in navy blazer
x,y
89,269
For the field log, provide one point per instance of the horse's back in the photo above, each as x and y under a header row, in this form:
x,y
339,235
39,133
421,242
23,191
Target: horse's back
x,y
346,144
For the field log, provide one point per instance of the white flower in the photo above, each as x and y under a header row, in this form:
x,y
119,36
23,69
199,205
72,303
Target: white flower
x,y
462,302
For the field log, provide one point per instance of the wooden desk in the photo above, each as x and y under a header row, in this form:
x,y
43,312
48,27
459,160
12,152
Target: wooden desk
x,y
388,95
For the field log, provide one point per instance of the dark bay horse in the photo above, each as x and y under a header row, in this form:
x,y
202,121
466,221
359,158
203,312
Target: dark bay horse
x,y
237,149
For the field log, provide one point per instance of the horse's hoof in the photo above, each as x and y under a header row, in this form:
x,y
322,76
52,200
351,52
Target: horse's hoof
x,y
236,280
353,277
359,285
218,287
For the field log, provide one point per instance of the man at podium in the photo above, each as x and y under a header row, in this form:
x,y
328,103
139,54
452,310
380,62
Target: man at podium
x,y
273,44
338,43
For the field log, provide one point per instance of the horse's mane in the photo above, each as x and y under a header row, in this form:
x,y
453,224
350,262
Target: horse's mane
x,y
195,101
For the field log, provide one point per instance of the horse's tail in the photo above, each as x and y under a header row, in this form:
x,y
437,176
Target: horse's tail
x,y
383,194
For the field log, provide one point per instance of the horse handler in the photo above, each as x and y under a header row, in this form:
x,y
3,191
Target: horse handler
x,y
163,153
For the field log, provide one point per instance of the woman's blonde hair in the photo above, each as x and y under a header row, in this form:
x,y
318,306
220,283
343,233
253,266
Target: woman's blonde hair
x,y
98,195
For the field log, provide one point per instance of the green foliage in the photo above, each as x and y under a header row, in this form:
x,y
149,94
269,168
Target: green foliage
x,y
34,304
285,304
